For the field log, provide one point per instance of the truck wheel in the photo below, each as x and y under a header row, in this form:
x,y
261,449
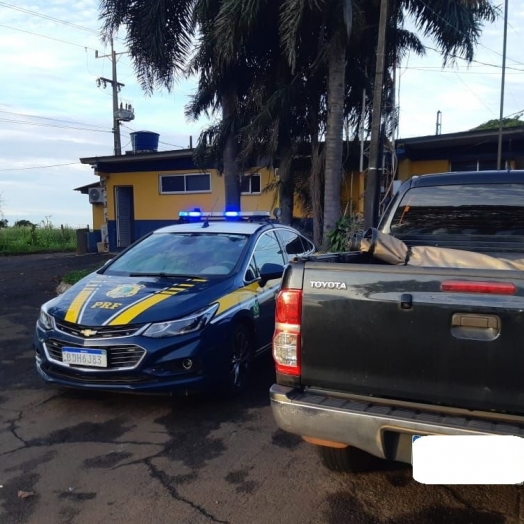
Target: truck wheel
x,y
344,460
240,359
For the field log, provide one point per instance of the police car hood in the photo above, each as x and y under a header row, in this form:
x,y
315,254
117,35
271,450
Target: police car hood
x,y
100,300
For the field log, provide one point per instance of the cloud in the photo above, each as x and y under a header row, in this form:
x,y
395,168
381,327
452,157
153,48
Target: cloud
x,y
57,80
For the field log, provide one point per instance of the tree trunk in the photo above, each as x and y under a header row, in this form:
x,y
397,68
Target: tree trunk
x,y
334,134
286,188
315,181
231,171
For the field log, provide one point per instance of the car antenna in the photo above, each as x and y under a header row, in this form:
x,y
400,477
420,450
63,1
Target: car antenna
x,y
206,221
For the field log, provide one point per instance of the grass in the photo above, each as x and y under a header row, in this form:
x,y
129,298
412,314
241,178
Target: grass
x,y
43,238
74,276
78,274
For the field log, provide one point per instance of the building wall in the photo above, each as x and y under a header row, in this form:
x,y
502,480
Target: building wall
x,y
408,168
153,210
150,204
352,193
98,216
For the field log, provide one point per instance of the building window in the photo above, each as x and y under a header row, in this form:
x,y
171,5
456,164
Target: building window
x,y
174,184
473,165
250,184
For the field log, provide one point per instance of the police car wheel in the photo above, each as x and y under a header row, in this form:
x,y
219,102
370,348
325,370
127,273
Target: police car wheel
x,y
240,359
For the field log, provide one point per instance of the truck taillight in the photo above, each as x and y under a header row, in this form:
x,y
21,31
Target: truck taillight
x,y
493,288
286,340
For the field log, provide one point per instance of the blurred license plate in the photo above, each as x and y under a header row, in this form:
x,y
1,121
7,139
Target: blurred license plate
x,y
85,357
468,459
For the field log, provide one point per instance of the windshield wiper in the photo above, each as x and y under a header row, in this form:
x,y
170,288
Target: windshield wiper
x,y
161,274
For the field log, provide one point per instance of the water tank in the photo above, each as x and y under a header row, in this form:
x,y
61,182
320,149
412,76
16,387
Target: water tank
x,y
144,141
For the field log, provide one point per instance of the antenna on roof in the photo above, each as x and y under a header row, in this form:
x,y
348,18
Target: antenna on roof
x,y
206,221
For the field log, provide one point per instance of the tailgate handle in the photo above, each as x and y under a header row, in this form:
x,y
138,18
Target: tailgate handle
x,y
475,321
475,327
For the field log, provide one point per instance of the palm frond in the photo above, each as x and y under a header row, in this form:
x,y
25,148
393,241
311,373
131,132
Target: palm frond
x,y
159,36
454,26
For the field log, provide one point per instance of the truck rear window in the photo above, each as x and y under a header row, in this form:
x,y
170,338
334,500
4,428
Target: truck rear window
x,y
480,209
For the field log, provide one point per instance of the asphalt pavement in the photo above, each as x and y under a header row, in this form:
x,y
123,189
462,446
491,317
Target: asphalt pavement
x,y
88,458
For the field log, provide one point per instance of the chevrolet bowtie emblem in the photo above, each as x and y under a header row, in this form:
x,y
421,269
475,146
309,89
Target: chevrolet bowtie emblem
x,y
88,332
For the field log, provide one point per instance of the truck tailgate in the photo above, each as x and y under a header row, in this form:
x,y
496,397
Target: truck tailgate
x,y
396,332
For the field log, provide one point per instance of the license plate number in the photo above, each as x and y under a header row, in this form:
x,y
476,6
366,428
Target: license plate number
x,y
85,357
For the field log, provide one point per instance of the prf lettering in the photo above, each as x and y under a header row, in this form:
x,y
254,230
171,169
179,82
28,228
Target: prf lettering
x,y
106,305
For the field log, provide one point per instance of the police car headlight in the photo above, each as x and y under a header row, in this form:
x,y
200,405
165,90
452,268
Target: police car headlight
x,y
183,325
45,319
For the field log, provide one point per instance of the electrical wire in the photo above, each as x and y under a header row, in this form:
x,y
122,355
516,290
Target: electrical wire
x,y
475,61
45,36
49,118
462,32
438,70
160,141
39,167
47,17
42,124
54,19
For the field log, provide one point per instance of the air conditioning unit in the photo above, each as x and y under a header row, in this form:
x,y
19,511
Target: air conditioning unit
x,y
95,195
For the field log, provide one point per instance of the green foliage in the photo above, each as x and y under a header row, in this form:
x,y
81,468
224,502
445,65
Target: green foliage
x,y
37,239
24,223
74,276
4,223
345,228
506,122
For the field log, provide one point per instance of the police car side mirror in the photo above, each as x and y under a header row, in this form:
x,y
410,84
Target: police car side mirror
x,y
270,271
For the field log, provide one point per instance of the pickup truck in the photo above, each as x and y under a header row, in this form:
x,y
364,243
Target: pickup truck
x,y
371,354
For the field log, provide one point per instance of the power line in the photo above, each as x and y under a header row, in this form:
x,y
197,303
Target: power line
x,y
42,124
39,167
160,141
475,61
438,70
48,37
475,95
463,33
49,118
47,17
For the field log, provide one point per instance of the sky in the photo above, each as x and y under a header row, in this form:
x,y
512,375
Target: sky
x,y
52,113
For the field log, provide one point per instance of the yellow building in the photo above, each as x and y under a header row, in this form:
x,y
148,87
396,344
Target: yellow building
x,y
475,150
138,193
144,190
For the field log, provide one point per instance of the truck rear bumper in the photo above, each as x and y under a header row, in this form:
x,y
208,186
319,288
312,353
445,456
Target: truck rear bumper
x,y
381,430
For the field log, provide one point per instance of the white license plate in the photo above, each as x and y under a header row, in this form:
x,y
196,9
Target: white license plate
x,y
468,459
85,357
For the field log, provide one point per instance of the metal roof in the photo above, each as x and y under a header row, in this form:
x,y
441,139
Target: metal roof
x,y
129,158
462,138
473,177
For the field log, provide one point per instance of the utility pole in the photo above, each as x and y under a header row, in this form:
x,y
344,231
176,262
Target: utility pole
x,y
372,198
121,114
499,154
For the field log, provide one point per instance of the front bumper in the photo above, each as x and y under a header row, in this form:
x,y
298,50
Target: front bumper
x,y
385,431
160,368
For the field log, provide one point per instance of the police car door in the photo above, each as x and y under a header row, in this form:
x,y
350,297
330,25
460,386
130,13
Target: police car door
x,y
267,250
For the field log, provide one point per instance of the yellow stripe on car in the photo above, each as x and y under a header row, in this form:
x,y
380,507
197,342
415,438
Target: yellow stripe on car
x,y
236,297
74,309
136,309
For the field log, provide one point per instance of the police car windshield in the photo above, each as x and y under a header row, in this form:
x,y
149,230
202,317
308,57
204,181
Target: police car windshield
x,y
181,254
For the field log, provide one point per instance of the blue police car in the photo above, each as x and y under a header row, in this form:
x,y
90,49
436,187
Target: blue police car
x,y
185,309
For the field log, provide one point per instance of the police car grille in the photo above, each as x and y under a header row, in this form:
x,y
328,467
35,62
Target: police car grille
x,y
70,373
101,331
121,356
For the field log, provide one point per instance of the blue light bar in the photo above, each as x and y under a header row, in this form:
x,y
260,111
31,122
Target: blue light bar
x,y
183,214
232,214
195,213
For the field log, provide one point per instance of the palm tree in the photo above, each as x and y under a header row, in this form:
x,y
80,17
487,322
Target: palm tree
x,y
454,26
160,37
